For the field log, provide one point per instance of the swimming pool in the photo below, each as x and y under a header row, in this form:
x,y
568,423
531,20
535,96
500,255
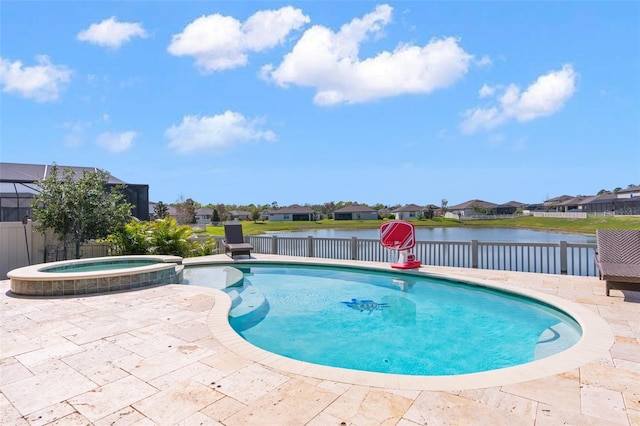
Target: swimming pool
x,y
390,322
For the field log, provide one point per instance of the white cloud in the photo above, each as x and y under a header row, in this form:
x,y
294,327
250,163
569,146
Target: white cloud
x,y
486,91
111,33
213,132
485,61
220,42
544,97
329,62
42,82
116,142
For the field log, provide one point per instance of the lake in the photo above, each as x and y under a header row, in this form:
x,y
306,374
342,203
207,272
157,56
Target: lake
x,y
452,234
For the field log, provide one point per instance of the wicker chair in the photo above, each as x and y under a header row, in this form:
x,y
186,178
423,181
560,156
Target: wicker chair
x,y
618,258
234,243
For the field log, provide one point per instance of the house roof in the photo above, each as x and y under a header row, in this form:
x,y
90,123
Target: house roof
x,y
515,204
293,209
557,200
633,189
355,208
473,203
24,173
574,201
408,208
204,210
239,213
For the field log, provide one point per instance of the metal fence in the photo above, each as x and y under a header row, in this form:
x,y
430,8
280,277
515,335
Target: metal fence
x,y
548,258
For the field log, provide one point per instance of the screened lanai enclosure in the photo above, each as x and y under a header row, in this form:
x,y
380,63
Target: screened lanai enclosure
x,y
18,186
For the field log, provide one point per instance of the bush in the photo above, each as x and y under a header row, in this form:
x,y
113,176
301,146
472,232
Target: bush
x,y
161,236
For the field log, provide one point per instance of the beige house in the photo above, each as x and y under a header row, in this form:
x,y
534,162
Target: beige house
x,y
355,212
291,213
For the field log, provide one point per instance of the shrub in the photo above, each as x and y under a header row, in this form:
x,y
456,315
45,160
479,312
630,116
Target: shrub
x,y
161,236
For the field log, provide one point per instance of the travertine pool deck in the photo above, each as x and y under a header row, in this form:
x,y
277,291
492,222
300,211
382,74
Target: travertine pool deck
x,y
159,355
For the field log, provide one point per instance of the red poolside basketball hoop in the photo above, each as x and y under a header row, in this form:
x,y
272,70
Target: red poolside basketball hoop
x,y
400,236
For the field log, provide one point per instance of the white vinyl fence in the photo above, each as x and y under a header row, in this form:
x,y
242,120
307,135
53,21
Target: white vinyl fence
x,y
21,245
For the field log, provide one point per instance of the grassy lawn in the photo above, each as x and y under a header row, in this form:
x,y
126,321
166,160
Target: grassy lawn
x,y
573,226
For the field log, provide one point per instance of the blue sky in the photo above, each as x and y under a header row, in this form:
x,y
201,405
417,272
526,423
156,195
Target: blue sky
x,y
308,102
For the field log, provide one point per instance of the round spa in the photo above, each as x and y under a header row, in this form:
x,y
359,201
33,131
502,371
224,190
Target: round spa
x,y
95,275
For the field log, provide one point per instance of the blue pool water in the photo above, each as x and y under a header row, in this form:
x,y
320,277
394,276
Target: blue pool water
x,y
392,323
103,265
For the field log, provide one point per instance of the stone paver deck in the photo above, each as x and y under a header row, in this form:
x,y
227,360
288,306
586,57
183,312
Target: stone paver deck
x,y
156,357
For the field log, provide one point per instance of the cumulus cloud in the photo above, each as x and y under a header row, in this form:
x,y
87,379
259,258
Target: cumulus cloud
x,y
329,62
111,33
42,82
217,131
544,97
116,142
220,42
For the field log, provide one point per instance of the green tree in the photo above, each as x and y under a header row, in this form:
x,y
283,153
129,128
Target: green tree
x,y
186,211
444,204
215,217
161,210
78,210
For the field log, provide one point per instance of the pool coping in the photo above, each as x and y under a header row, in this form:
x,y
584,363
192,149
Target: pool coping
x,y
596,340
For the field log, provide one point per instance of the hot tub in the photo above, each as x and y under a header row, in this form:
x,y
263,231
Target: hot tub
x,y
95,275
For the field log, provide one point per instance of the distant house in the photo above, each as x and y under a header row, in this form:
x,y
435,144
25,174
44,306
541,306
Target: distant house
x,y
575,203
292,213
556,204
630,192
238,215
355,212
510,208
204,215
408,211
613,204
473,207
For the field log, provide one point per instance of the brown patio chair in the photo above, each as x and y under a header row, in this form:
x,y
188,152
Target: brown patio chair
x,y
234,243
618,258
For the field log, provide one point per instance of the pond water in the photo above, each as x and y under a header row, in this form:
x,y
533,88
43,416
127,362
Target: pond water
x,y
452,234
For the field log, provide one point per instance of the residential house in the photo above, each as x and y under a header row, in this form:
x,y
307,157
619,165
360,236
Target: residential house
x,y
629,192
238,215
292,213
18,186
355,212
613,204
473,207
510,207
556,204
408,211
204,215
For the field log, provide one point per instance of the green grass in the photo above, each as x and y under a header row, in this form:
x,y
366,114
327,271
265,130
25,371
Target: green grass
x,y
573,226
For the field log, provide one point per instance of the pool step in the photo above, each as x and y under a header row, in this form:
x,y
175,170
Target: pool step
x,y
244,300
248,306
551,340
